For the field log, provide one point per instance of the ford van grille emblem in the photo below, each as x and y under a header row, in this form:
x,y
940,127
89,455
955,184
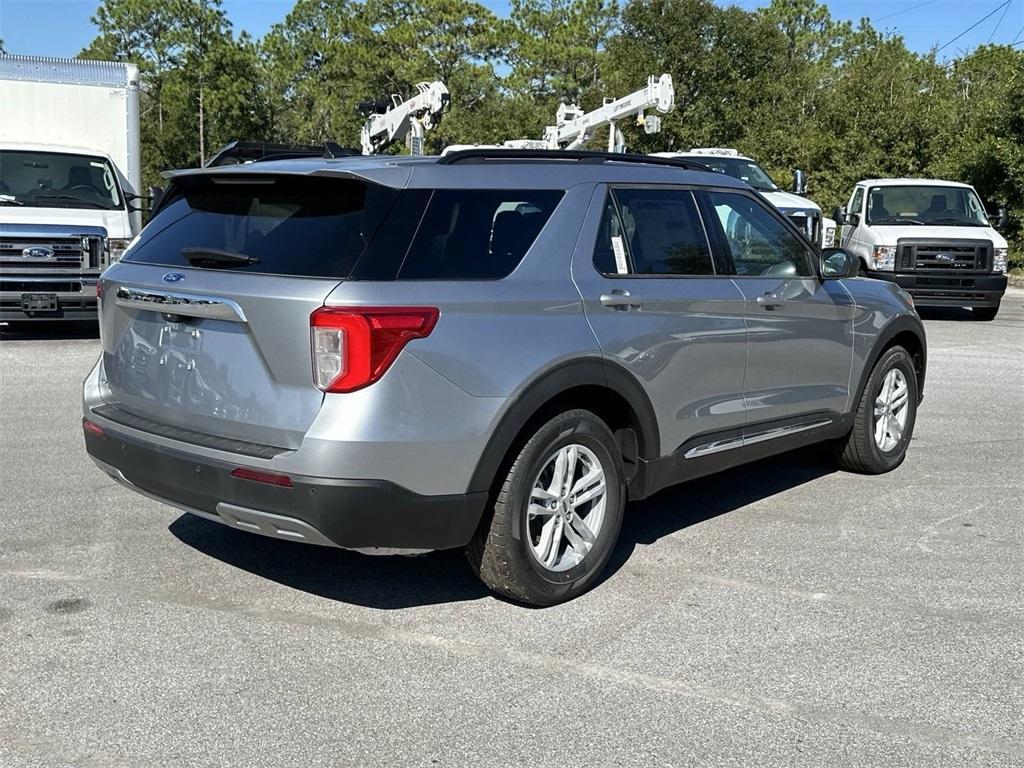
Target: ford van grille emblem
x,y
38,252
173,277
945,258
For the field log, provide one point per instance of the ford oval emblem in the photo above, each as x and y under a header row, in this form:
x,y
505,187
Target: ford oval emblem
x,y
173,277
946,258
38,252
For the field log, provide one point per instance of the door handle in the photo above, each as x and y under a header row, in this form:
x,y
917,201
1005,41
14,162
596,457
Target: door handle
x,y
770,300
620,299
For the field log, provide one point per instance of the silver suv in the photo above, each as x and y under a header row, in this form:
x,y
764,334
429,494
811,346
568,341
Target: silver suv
x,y
491,350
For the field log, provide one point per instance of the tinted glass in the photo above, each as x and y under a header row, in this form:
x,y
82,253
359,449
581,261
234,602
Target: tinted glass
x,y
759,243
745,170
919,204
57,180
477,233
307,227
662,233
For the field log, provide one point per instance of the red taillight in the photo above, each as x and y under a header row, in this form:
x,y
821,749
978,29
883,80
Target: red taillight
x,y
99,290
92,428
353,346
262,477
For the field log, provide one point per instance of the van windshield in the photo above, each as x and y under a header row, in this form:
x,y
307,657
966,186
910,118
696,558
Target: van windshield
x,y
57,180
920,204
745,170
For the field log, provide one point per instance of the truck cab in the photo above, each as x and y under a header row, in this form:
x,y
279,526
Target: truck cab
x,y
804,213
931,237
69,172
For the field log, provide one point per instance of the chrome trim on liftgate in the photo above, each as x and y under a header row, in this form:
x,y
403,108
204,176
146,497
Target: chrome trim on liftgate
x,y
180,304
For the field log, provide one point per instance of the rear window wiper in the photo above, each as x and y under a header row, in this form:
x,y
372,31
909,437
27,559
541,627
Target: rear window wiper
x,y
216,257
5,200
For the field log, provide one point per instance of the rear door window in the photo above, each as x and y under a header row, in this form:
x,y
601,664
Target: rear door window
x,y
659,231
308,227
477,233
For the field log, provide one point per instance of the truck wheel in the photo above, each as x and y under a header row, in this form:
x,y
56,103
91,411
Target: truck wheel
x,y
985,313
885,416
557,514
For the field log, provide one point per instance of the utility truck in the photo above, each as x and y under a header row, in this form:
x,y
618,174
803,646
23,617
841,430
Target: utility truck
x,y
573,127
69,172
804,213
406,120
933,238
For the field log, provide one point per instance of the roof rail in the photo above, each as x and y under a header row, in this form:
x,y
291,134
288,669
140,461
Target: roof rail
x,y
238,152
498,155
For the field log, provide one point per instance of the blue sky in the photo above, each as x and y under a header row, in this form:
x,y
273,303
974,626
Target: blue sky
x,y
62,27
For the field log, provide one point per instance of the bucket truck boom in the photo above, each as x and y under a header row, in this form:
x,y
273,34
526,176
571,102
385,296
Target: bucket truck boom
x,y
408,119
574,127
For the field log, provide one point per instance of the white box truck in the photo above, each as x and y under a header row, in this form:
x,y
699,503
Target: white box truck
x,y
69,172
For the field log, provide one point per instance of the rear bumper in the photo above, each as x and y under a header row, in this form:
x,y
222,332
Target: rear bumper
x,y
959,290
353,514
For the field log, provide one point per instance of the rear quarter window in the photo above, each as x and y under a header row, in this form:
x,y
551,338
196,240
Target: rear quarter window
x,y
302,226
476,233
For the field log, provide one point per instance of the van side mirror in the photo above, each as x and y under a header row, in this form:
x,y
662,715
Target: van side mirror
x,y
837,263
1002,219
799,183
839,215
156,194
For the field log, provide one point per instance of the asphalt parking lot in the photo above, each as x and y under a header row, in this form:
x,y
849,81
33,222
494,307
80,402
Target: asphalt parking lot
x,y
782,614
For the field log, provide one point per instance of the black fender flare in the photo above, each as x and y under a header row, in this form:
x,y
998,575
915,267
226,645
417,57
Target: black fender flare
x,y
896,326
550,384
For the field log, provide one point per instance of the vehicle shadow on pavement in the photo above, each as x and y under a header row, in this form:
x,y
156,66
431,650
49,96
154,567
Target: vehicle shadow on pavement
x,y
945,313
386,582
681,506
43,330
442,577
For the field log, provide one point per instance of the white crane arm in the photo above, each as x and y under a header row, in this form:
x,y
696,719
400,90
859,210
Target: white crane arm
x,y
409,118
574,127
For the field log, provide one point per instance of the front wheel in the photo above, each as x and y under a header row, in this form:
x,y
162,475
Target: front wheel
x,y
885,416
557,515
985,313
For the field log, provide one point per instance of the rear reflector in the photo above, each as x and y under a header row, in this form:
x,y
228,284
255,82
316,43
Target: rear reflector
x,y
262,477
354,346
92,428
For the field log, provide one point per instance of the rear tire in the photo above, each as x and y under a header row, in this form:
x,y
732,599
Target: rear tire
x,y
884,421
985,313
543,548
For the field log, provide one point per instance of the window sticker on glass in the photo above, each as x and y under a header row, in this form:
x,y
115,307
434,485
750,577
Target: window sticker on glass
x,y
620,255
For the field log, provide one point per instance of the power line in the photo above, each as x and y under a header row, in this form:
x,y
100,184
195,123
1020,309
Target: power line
x,y
1000,22
905,10
982,54
991,13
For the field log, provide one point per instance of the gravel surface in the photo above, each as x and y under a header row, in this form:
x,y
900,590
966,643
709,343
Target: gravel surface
x,y
781,614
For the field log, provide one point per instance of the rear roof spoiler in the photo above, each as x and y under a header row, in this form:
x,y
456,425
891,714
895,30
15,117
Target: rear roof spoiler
x,y
240,152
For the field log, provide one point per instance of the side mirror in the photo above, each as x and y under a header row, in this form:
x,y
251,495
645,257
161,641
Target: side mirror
x,y
1002,219
156,194
799,182
839,215
853,219
837,263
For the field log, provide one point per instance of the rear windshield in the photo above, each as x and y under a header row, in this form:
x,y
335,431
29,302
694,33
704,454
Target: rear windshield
x,y
280,225
314,227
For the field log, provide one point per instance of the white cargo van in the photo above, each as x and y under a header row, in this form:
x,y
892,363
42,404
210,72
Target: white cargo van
x,y
69,173
933,238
